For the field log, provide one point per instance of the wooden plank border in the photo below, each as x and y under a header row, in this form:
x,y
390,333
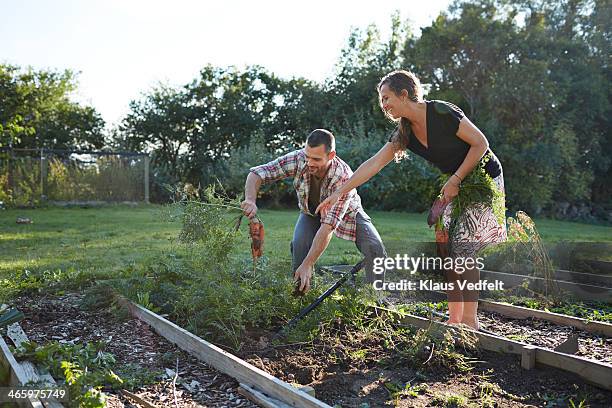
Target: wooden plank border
x,y
595,372
583,277
225,362
579,290
520,312
18,376
18,337
598,279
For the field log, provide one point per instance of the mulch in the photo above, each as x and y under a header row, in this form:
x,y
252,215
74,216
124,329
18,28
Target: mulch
x,y
59,318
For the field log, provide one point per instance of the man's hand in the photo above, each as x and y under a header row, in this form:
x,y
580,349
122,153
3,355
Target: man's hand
x,y
303,275
249,208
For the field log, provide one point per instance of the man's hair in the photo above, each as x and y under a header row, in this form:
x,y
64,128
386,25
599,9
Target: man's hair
x,y
320,137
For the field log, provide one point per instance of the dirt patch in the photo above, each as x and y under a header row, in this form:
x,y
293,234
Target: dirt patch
x,y
134,345
549,335
347,367
351,369
531,331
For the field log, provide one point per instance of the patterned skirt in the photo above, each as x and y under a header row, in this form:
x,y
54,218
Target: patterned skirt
x,y
476,229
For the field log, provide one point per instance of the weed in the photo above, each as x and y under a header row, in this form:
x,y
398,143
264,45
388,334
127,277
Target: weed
x,y
408,390
485,396
582,404
518,337
86,369
450,401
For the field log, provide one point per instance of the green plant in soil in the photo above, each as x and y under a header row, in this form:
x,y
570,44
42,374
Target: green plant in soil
x,y
595,311
423,308
442,347
86,369
450,401
523,234
398,391
211,289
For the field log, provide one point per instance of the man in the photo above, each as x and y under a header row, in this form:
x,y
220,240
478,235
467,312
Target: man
x,y
317,173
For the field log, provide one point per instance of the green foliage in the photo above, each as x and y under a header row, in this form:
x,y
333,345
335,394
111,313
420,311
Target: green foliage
x,y
37,112
532,76
397,391
212,290
107,178
477,189
450,401
435,346
522,230
24,190
595,311
535,86
86,370
232,173
24,281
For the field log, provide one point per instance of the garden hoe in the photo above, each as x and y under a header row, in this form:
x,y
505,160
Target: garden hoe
x,y
346,276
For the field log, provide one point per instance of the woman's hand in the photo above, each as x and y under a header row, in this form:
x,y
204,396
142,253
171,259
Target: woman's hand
x,y
327,204
450,190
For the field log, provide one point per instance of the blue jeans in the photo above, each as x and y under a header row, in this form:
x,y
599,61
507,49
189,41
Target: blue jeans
x,y
367,241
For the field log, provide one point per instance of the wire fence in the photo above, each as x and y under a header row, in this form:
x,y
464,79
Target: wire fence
x,y
31,177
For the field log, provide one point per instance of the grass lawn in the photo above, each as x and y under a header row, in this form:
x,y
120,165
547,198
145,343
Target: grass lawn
x,y
101,241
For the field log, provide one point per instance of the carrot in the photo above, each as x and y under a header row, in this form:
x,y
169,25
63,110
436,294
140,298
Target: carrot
x,y
256,231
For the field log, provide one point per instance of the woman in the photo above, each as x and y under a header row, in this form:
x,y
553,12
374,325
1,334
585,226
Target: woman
x,y
440,132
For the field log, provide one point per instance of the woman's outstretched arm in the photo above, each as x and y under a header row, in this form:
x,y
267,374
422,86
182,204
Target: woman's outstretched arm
x,y
365,172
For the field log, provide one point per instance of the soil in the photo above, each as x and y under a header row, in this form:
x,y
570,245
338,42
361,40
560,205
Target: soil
x,y
52,318
346,367
496,380
549,335
538,332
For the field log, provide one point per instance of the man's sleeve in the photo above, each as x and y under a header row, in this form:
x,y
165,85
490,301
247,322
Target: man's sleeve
x,y
278,169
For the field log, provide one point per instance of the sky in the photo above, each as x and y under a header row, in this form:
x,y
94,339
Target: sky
x,y
122,49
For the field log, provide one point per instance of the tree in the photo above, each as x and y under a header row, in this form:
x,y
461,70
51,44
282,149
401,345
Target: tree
x,y
36,111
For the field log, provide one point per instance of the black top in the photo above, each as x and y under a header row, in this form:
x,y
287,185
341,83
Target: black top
x,y
444,149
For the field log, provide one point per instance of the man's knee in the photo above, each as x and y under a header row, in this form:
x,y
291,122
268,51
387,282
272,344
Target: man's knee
x,y
373,248
377,248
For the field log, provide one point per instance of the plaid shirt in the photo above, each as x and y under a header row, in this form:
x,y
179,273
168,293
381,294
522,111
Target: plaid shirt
x,y
341,216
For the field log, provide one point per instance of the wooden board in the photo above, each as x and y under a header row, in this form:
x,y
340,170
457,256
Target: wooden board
x,y
519,312
17,375
260,398
578,290
18,336
596,279
225,362
583,277
595,372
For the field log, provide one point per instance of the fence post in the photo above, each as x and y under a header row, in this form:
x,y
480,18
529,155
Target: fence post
x,y
146,178
10,177
43,175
